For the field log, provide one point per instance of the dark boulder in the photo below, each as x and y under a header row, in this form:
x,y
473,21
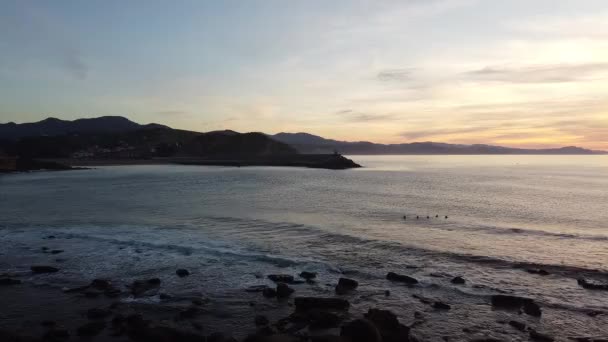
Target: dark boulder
x,y
56,251
91,328
281,278
98,313
514,302
101,284
56,334
305,303
284,291
9,281
142,287
308,275
190,312
518,325
538,336
538,271
392,276
458,280
441,306
383,319
269,292
320,319
182,273
44,269
532,309
361,330
261,320
346,285
591,285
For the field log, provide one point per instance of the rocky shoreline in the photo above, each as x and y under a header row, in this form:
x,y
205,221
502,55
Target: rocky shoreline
x,y
109,312
273,307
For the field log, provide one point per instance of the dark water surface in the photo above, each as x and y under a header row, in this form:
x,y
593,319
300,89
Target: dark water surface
x,y
229,225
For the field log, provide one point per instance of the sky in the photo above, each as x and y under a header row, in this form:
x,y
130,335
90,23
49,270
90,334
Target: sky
x,y
521,73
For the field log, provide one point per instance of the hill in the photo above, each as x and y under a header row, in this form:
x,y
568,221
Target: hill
x,y
57,127
308,143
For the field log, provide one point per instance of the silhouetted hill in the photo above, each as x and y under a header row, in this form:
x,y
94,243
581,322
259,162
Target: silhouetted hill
x,y
56,127
119,138
308,143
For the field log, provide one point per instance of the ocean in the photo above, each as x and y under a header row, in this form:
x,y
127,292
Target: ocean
x,y
490,219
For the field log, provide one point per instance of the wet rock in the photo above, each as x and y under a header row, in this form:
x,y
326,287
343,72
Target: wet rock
x,y
141,287
256,288
91,328
392,276
44,269
538,271
361,330
532,309
518,325
595,313
281,278
320,319
269,292
514,302
458,280
422,299
56,334
305,303
190,312
538,336
308,275
98,313
283,291
101,284
346,285
586,284
182,273
9,281
219,337
441,306
198,301
387,293
261,320
383,319
56,251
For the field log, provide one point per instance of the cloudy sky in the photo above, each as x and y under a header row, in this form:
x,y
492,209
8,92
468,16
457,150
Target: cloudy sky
x,y
526,73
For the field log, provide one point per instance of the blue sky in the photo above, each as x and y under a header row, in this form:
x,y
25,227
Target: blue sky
x,y
517,73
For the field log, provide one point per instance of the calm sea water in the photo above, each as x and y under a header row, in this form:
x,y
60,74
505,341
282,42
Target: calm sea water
x,y
227,224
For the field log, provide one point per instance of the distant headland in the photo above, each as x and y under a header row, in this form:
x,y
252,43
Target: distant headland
x,y
117,140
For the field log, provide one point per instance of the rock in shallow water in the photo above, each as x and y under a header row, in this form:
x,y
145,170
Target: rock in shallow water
x,y
306,303
281,278
182,273
9,281
514,302
308,275
361,330
392,276
346,285
458,280
44,269
283,291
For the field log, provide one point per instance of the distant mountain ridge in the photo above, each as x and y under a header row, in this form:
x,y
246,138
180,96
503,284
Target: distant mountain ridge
x,y
309,143
72,136
57,127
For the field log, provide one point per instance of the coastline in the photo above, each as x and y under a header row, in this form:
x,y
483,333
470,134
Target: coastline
x,y
295,305
321,161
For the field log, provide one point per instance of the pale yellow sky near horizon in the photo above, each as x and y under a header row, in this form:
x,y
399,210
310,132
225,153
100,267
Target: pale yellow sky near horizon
x,y
520,73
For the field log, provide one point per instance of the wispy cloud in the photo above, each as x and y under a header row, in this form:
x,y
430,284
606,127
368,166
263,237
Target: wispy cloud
x,y
395,75
355,116
541,73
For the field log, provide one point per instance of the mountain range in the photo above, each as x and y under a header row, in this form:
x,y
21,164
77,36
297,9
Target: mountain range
x,y
61,137
308,143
